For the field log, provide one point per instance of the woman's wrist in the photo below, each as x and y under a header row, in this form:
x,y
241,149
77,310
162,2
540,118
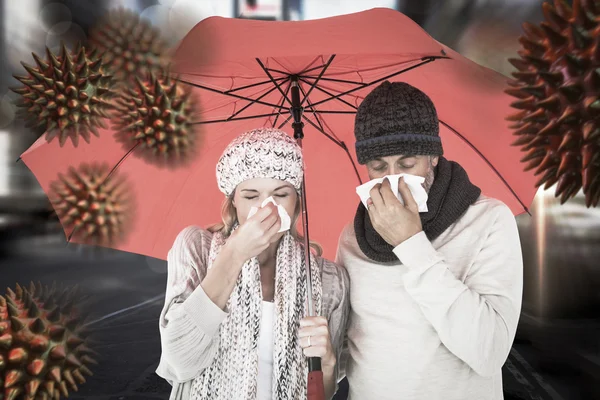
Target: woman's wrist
x,y
234,259
328,365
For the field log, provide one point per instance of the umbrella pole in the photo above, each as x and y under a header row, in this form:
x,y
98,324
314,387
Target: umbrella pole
x,y
315,388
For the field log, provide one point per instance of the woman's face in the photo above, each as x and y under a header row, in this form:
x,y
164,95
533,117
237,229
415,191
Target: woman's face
x,y
253,192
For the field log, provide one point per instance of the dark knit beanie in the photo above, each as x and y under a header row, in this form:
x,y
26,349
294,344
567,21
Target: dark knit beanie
x,y
396,118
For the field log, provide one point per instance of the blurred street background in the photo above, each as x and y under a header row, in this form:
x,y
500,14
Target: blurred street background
x,y
557,351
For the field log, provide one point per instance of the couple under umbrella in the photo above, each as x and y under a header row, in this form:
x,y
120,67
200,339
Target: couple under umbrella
x,y
420,299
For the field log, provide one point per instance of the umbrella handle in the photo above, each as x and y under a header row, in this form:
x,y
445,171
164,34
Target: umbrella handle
x,y
315,389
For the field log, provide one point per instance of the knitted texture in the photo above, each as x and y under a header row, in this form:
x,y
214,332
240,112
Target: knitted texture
x,y
396,118
451,194
260,153
238,344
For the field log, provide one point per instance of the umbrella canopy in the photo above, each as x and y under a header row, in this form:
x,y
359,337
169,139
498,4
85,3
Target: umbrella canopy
x,y
242,72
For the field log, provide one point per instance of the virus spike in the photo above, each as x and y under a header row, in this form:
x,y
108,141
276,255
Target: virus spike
x,y
551,78
550,103
526,76
548,177
63,388
69,378
38,326
49,385
533,31
558,22
12,393
570,115
35,367
74,341
56,332
31,387
41,64
12,309
563,9
534,46
58,353
550,129
88,360
85,370
73,361
12,377
17,355
557,40
78,376
16,324
579,37
55,374
6,340
54,315
34,311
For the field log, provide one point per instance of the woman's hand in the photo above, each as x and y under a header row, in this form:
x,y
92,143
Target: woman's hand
x,y
256,234
316,340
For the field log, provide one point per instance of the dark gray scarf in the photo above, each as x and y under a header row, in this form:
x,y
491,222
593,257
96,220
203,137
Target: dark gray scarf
x,y
451,194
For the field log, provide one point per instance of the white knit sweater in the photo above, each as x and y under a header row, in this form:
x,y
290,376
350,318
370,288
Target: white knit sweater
x,y
438,324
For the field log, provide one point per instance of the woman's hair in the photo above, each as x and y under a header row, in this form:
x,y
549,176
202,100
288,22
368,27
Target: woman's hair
x,y
229,219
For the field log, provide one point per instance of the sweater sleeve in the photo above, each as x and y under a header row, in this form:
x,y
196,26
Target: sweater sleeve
x,y
342,347
338,290
189,321
476,320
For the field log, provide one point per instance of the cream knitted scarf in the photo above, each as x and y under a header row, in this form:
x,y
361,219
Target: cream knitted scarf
x,y
233,373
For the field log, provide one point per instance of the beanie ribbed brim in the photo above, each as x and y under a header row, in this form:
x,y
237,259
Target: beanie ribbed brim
x,y
406,144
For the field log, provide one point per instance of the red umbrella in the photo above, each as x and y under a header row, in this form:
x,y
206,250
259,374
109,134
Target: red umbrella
x,y
308,78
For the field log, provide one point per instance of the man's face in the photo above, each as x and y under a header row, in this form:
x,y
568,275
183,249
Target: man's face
x,y
404,164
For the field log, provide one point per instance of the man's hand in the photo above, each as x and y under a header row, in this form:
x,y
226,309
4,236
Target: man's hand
x,y
392,220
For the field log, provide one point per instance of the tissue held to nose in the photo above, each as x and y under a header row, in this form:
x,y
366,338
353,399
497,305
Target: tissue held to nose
x,y
283,215
415,184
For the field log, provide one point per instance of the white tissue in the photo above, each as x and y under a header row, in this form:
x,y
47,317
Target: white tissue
x,y
414,184
283,215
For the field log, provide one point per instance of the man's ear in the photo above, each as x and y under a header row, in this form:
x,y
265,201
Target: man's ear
x,y
434,160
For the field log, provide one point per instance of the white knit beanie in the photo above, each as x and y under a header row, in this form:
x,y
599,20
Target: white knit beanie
x,y
260,153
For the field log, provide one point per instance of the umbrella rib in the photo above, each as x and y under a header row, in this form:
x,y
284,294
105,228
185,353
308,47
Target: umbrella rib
x,y
488,163
330,94
424,60
108,176
333,80
335,112
322,131
250,104
312,109
278,71
318,78
311,69
284,122
341,144
230,94
252,85
229,119
282,101
273,80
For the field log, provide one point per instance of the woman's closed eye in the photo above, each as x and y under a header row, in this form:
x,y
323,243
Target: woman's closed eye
x,y
250,198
